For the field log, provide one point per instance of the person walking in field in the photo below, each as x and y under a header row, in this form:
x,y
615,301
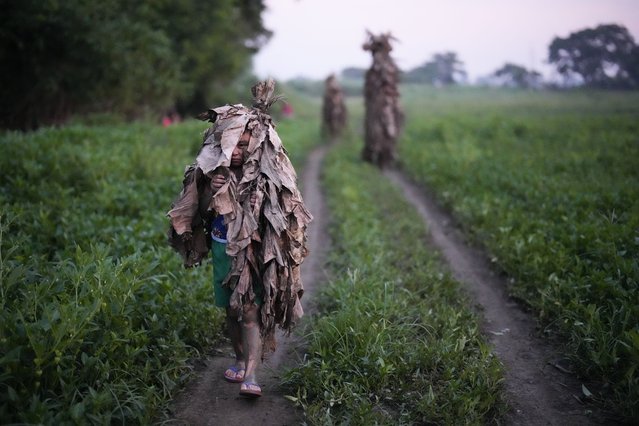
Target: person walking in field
x,y
333,109
384,118
240,198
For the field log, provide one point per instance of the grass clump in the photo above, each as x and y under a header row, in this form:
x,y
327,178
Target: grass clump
x,y
395,343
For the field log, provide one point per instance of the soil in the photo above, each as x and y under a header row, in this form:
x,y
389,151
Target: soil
x,y
539,388
208,399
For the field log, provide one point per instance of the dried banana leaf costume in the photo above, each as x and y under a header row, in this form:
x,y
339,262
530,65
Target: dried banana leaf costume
x,y
333,109
384,117
267,242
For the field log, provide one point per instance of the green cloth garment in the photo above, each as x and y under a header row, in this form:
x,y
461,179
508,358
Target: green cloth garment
x,y
221,267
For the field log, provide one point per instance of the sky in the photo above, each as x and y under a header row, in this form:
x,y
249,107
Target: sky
x,y
314,38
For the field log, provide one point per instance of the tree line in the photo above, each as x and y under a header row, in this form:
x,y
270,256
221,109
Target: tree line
x,y
126,57
136,58
603,57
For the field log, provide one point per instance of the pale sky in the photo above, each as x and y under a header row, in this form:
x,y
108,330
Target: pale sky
x,y
314,38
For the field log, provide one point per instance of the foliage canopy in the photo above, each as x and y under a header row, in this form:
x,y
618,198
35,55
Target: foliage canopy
x,y
512,75
605,57
119,56
443,69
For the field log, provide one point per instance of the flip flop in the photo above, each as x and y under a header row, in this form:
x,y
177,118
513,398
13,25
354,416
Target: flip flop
x,y
249,389
231,374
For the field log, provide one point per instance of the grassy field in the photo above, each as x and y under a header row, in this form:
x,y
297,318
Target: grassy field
x,y
548,183
98,316
99,319
394,342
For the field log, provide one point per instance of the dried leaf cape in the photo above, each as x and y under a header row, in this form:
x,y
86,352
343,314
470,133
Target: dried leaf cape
x,y
267,241
334,112
384,117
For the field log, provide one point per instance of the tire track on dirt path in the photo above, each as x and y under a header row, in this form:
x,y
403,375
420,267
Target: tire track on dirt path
x,y
208,399
537,393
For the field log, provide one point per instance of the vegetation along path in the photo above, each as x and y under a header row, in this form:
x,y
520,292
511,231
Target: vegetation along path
x,y
208,399
537,389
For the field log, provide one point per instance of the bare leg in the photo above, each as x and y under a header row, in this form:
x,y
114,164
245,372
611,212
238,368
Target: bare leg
x,y
252,342
235,333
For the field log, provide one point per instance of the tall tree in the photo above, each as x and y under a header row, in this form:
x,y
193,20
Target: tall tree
x,y
606,56
442,70
511,75
59,58
450,69
215,40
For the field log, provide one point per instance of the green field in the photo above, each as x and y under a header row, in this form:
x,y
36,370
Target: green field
x,y
100,321
548,183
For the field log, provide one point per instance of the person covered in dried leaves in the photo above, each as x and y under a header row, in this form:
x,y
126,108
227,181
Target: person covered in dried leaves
x,y
383,118
240,197
334,113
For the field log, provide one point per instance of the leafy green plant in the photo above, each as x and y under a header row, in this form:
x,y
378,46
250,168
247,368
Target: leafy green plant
x,y
99,320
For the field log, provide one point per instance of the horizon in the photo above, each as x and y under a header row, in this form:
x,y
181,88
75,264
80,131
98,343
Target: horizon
x,y
479,35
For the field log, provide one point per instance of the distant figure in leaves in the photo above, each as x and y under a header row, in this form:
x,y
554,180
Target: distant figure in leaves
x,y
333,109
384,118
240,202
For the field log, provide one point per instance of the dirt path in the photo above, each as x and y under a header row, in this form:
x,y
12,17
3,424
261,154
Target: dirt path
x,y
538,393
208,399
